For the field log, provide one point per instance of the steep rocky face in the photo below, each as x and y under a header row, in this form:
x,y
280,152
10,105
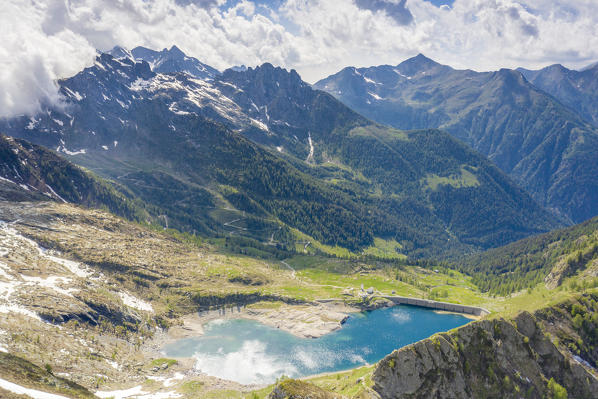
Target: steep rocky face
x,y
548,148
289,109
523,357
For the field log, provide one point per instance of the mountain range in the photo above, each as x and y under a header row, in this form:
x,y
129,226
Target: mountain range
x,y
162,195
531,129
575,89
259,153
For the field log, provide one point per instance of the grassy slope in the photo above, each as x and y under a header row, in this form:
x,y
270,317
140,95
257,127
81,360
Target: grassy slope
x,y
25,373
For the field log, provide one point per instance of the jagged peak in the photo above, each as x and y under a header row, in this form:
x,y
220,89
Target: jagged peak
x,y
173,59
266,66
120,52
557,67
420,64
507,72
422,58
144,52
239,68
509,78
175,51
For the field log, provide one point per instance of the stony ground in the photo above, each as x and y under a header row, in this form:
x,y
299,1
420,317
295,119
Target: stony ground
x,y
88,295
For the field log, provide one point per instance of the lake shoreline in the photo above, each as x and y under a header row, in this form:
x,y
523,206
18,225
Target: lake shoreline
x,y
312,320
302,321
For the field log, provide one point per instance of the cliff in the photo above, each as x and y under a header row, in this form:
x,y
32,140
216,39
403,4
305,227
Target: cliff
x,y
538,355
551,353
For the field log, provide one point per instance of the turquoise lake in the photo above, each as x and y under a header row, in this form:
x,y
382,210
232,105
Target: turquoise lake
x,y
249,352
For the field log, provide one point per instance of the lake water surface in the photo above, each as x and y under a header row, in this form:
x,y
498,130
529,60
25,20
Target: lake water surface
x,y
249,352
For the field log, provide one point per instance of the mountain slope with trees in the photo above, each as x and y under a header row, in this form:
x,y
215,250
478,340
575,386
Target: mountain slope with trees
x,y
30,172
546,147
548,258
182,144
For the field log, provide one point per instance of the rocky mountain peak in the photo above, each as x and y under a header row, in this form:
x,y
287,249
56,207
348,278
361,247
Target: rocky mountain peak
x,y
174,60
120,52
420,65
175,52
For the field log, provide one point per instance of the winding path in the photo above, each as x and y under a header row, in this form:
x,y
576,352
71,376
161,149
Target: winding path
x,y
293,272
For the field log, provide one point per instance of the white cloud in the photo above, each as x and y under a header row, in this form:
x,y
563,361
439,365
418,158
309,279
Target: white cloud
x,y
31,59
477,34
47,39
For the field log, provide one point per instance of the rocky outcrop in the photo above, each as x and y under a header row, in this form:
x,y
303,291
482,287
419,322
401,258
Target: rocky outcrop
x,y
498,358
212,301
295,389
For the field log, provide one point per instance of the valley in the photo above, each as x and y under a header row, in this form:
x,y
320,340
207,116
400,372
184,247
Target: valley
x,y
544,136
106,289
173,231
208,154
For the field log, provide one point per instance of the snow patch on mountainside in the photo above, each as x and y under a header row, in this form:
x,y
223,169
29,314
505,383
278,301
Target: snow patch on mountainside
x,y
375,96
136,393
135,303
401,75
33,393
68,152
260,124
310,156
190,95
13,283
52,282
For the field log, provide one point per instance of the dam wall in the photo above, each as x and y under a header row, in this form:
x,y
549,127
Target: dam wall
x,y
449,307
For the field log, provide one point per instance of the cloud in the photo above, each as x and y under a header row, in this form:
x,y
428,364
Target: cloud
x,y
200,3
394,9
32,59
401,315
48,39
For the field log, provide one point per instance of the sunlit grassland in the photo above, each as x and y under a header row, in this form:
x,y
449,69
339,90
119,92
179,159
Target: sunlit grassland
x,y
321,277
464,179
389,249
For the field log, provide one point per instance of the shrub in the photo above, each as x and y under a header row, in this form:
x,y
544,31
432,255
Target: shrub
x,y
556,391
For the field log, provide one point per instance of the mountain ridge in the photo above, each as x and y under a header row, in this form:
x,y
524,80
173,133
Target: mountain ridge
x,y
529,134
313,173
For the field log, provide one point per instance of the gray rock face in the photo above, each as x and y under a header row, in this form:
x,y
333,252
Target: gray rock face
x,y
489,358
